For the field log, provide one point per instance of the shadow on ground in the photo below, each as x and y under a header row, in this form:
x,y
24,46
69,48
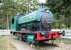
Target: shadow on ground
x,y
45,46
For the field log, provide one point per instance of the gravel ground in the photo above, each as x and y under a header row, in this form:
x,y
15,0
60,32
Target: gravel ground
x,y
62,44
10,43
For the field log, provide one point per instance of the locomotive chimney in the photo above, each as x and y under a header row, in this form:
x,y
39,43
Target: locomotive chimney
x,y
42,3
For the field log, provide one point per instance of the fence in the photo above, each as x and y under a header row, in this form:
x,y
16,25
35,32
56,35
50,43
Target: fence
x,y
4,32
67,32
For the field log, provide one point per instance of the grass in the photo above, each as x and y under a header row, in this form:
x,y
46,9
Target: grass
x,y
2,43
65,41
5,44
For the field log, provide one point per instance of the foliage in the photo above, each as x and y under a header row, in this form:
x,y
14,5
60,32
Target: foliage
x,y
61,10
62,7
10,8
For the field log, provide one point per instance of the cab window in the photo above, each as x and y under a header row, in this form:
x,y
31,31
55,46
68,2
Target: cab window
x,y
12,20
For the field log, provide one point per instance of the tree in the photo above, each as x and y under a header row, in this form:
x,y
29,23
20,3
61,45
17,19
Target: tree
x,y
62,9
10,8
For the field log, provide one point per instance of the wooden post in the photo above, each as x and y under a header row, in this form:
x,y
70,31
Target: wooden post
x,y
7,22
